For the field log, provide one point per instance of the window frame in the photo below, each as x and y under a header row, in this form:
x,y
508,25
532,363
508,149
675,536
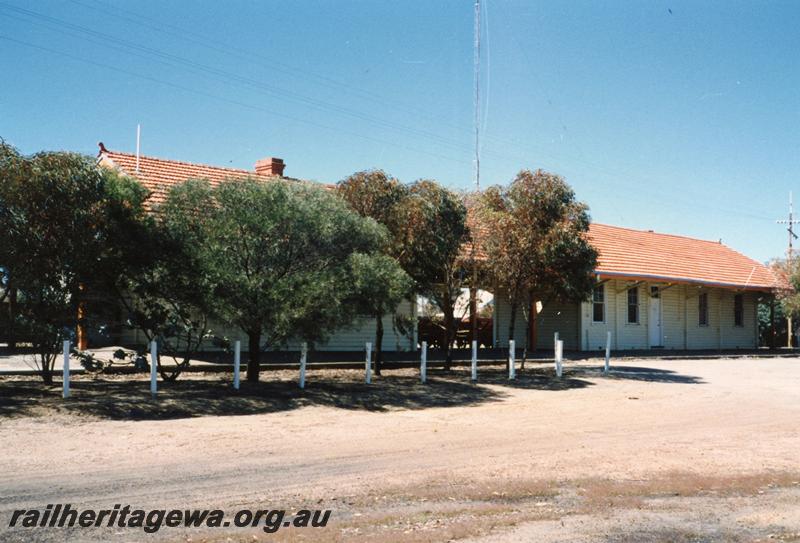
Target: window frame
x,y
702,309
635,306
738,310
602,302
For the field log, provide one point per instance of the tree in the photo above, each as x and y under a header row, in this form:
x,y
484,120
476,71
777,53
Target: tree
x,y
282,258
380,284
61,218
168,292
378,196
436,220
534,236
788,297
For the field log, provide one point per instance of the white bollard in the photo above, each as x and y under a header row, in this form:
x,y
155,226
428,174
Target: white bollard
x,y
608,353
303,357
559,357
474,360
423,363
153,368
512,364
368,364
237,363
65,370
555,342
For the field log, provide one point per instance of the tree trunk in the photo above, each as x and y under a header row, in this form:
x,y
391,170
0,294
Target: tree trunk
x,y
47,368
254,355
378,343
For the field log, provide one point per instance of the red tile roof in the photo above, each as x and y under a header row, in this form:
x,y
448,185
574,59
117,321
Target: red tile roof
x,y
158,175
647,255
623,252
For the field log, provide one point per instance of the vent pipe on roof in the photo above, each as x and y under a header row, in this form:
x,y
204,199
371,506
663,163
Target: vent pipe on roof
x,y
138,137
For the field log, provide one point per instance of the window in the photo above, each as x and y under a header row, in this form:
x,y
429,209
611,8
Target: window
x,y
598,304
633,305
738,310
703,309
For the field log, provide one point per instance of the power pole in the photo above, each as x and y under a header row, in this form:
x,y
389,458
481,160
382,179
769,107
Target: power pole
x,y
792,236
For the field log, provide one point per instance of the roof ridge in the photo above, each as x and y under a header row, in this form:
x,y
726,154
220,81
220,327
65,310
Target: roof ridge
x,y
109,152
628,228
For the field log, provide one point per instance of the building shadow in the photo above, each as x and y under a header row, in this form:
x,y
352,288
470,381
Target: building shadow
x,y
530,378
637,373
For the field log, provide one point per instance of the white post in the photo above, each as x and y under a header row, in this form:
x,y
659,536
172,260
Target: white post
x,y
559,357
474,360
423,363
608,352
512,364
555,342
303,357
368,364
65,369
153,368
237,363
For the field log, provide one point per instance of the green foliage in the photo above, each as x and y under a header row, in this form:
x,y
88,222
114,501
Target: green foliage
x,y
168,292
379,284
279,255
535,240
437,219
64,220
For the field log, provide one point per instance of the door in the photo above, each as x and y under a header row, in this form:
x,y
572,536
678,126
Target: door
x,y
654,318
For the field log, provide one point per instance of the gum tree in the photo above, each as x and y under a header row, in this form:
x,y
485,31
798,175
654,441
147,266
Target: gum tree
x,y
535,240
376,195
282,258
63,221
436,222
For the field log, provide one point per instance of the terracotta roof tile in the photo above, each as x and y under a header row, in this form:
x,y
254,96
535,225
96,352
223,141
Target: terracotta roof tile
x,y
623,252
158,175
640,254
646,255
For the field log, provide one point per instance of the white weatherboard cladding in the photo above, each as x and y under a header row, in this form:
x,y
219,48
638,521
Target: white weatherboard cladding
x,y
352,338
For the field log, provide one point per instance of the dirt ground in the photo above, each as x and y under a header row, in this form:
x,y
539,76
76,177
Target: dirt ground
x,y
659,450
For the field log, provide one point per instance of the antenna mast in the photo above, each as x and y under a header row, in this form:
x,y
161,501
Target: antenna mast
x,y
476,101
473,287
138,138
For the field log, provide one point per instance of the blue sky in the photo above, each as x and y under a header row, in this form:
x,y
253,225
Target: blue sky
x,y
682,117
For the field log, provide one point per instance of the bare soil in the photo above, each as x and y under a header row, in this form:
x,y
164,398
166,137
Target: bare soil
x,y
659,450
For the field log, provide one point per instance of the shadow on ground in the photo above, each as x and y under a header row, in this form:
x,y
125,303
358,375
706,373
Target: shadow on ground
x,y
636,373
130,399
530,378
126,398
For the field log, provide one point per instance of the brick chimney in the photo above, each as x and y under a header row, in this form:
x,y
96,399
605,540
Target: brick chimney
x,y
270,167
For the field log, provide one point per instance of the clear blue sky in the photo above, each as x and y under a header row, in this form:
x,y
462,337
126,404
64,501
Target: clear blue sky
x,y
683,121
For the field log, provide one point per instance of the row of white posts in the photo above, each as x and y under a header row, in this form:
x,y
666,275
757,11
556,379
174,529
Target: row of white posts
x,y
423,365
